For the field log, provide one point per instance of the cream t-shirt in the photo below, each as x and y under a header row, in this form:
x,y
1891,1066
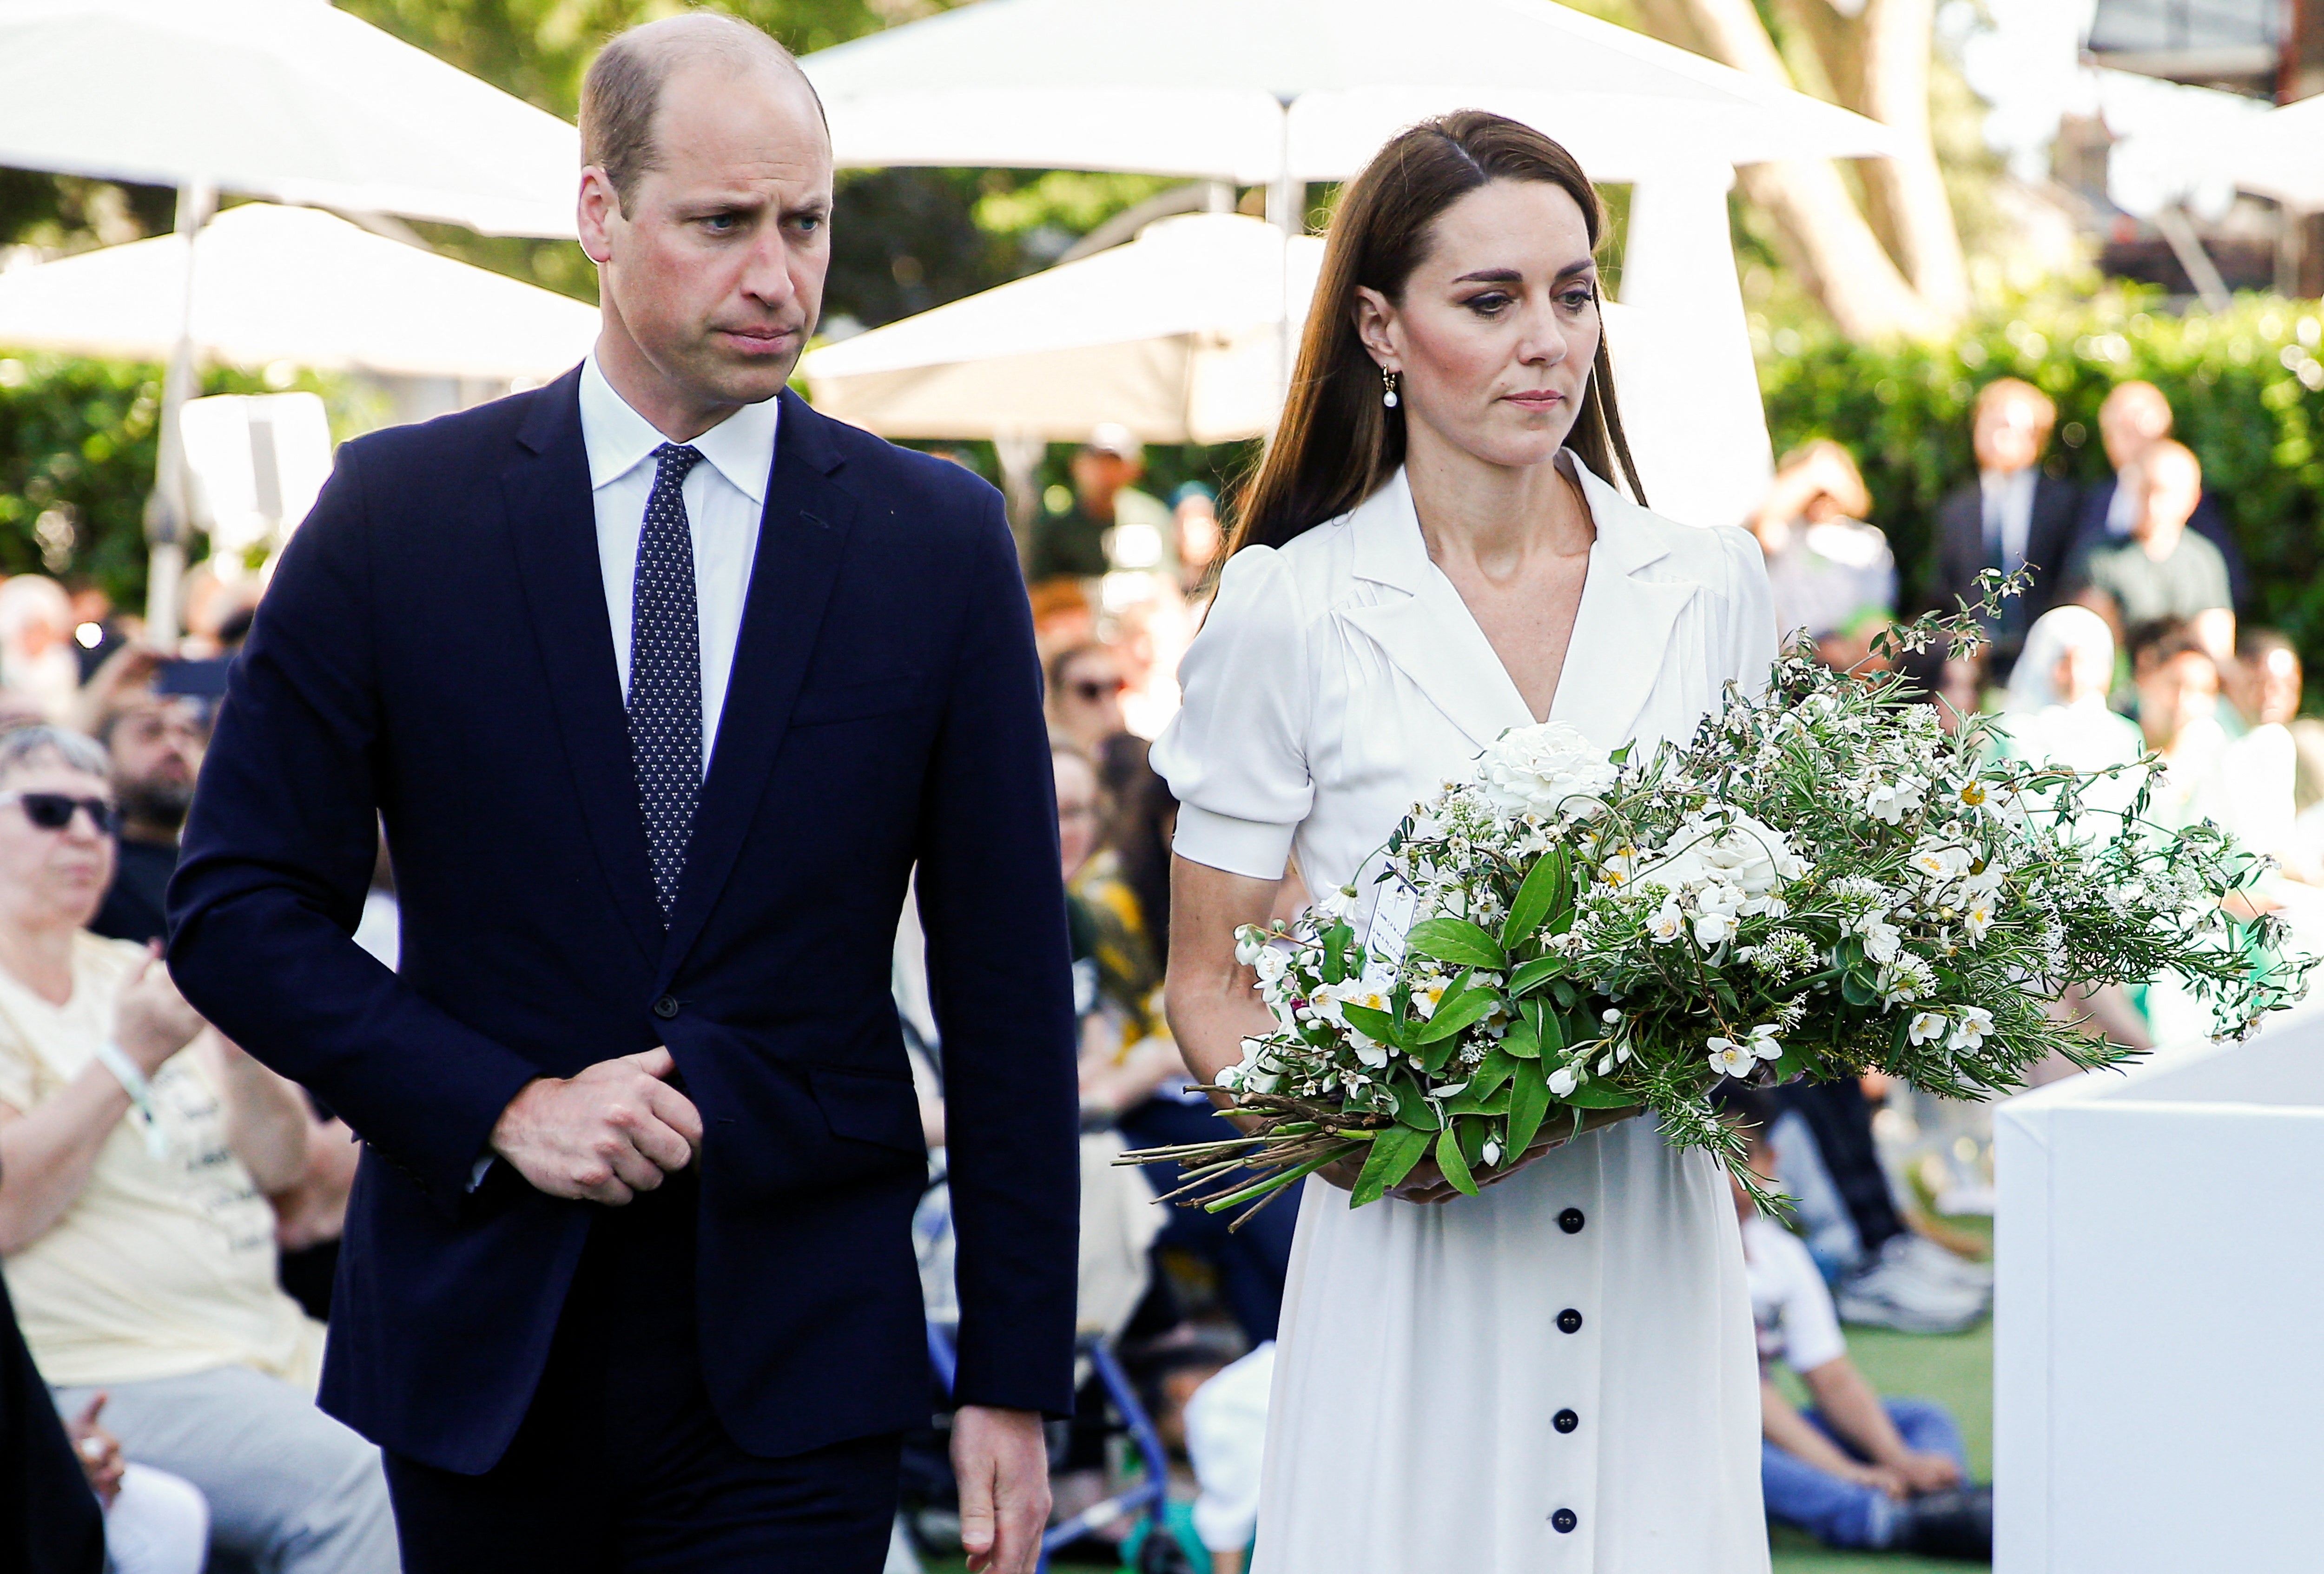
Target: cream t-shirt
x,y
162,1265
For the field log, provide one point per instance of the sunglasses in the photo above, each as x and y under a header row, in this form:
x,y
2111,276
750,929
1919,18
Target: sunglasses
x,y
1091,690
54,811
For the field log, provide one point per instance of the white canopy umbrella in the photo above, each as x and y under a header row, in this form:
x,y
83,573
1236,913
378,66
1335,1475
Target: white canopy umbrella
x,y
1255,91
1283,92
283,98
2280,155
1174,337
289,99
295,284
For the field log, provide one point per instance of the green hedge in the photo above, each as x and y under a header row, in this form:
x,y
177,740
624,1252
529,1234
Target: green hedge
x,y
77,441
2247,386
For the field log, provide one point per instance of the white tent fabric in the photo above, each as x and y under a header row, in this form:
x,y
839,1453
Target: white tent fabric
x,y
294,284
1307,90
1176,337
288,99
2280,155
1254,90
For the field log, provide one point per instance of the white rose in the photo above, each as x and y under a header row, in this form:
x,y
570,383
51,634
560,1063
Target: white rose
x,y
1549,769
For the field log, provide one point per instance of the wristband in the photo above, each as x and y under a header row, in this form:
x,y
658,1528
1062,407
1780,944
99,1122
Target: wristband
x,y
135,1083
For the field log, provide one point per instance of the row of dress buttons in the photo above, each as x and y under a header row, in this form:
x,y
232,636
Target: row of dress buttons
x,y
1567,1321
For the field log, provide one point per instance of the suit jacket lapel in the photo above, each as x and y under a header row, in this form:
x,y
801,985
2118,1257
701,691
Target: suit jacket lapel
x,y
1428,632
802,537
553,524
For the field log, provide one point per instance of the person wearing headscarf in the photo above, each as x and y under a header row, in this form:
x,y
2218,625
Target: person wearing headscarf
x,y
2055,711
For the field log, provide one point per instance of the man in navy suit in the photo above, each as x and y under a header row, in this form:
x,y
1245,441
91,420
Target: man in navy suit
x,y
628,1282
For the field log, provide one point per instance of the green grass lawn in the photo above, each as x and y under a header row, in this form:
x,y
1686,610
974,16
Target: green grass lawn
x,y
1955,1371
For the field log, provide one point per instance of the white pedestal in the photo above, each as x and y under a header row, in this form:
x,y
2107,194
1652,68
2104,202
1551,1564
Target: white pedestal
x,y
2159,1322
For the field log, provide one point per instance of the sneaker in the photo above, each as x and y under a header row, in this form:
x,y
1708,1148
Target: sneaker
x,y
1897,1291
1945,1267
1956,1525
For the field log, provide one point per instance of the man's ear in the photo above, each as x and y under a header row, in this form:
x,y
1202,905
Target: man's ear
x,y
596,209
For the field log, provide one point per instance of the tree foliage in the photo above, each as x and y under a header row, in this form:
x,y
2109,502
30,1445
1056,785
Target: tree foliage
x,y
77,455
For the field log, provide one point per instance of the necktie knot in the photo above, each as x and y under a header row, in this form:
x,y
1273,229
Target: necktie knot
x,y
673,462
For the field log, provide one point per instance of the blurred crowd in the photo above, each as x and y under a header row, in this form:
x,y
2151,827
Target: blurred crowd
x,y
169,1210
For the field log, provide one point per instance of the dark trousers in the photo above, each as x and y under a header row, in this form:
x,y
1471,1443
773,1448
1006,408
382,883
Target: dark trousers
x,y
622,1467
1839,1118
1253,1262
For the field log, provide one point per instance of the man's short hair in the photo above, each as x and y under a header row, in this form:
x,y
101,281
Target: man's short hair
x,y
623,90
2158,640
2016,388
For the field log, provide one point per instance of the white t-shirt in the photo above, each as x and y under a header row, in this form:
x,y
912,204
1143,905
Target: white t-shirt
x,y
163,1266
1226,1435
1790,1306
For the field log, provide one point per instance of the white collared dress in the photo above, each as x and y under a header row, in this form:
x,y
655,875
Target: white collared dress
x,y
1558,1375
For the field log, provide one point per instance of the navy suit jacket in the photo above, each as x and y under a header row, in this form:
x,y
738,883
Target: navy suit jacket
x,y
435,650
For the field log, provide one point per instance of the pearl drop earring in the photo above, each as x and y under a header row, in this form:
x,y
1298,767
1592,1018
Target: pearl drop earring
x,y
1387,387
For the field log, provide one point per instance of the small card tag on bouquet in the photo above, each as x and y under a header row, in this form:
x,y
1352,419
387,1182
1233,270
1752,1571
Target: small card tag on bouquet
x,y
1392,909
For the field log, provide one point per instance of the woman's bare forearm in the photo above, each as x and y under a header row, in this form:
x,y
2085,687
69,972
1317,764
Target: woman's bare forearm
x,y
268,1123
1210,997
46,1154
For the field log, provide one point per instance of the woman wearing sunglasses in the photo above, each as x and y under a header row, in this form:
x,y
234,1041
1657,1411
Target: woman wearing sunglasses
x,y
136,1150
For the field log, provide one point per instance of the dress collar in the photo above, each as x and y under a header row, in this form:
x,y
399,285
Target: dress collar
x,y
742,448
1390,548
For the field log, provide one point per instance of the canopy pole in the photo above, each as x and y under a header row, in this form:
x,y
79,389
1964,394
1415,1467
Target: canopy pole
x,y
168,513
1284,199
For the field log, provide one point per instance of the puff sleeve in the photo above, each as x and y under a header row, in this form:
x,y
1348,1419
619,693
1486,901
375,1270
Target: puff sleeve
x,y
1236,754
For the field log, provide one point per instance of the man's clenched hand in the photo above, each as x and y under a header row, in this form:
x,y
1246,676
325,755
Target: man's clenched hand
x,y
603,1136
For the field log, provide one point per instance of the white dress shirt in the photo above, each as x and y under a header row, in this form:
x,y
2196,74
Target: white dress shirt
x,y
725,498
2009,516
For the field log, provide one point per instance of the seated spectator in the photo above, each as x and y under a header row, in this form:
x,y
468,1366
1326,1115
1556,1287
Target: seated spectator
x,y
2012,516
1856,1470
137,1238
1085,696
2162,569
2134,417
156,742
1152,629
2056,713
1195,511
1887,1274
1829,570
2178,683
38,658
1226,1431
1109,523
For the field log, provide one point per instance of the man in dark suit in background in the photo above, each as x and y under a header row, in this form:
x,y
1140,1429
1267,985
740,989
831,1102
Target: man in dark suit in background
x,y
628,1282
2011,517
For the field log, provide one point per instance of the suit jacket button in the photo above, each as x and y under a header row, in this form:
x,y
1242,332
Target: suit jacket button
x,y
1570,1221
667,1008
1564,1521
1568,1321
1565,1421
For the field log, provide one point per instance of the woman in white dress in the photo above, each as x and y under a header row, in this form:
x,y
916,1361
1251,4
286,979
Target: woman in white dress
x,y
1558,1374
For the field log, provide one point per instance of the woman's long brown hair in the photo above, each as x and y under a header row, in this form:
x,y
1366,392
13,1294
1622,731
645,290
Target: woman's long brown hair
x,y
1337,443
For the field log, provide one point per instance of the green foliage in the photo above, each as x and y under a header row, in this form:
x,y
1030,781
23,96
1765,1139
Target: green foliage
x,y
77,452
2247,386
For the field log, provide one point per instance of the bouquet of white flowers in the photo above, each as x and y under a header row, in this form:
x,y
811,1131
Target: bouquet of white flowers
x,y
1822,883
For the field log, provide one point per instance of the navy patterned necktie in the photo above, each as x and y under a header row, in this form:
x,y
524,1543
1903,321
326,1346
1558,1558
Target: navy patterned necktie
x,y
664,698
